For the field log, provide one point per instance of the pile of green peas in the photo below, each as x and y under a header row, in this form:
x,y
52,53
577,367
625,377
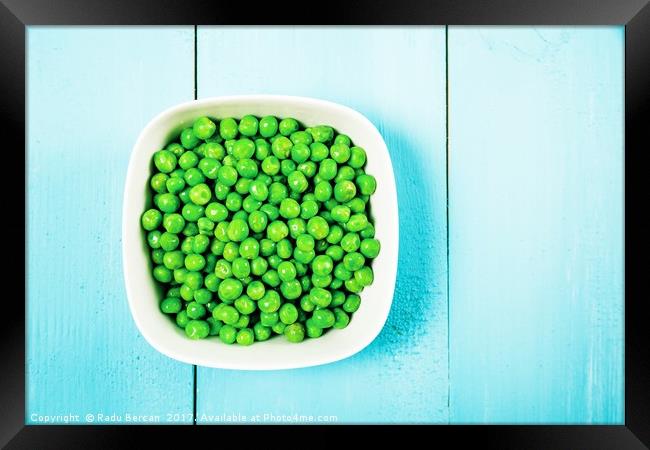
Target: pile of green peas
x,y
260,227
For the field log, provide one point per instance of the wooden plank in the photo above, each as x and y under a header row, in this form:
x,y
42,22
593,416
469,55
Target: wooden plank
x,y
536,229
396,77
90,92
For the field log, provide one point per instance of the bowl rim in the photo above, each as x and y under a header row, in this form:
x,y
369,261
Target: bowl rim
x,y
170,350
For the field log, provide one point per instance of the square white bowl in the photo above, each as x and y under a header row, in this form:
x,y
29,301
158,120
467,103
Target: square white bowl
x,y
277,353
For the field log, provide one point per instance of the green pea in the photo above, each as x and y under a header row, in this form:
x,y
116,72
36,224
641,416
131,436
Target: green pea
x,y
353,286
267,247
194,280
370,248
278,328
157,256
182,319
281,148
175,185
345,173
173,260
168,203
262,149
277,230
200,194
342,319
193,176
308,209
272,212
338,298
364,276
313,331
340,152
323,191
301,137
327,169
228,333
233,202
271,165
188,160
230,251
277,193
227,314
151,219
357,157
241,268
165,161
288,313
350,242
221,191
169,241
302,256
153,239
307,168
352,303
323,318
259,266
216,212
195,310
214,150
295,332
215,326
176,148
245,336
322,265
261,332
357,222
258,190
238,230
321,133
335,252
158,183
171,305
194,262
287,166
269,319
321,281
209,167
189,140
245,305
288,126
223,269
291,289
306,304
212,280
243,149
289,208
248,125
320,297
268,126
300,152
367,184
286,271
318,227
227,175
341,213
230,289
344,191
274,261
228,128
270,302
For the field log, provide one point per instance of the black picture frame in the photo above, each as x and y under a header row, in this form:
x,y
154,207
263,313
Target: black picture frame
x,y
15,15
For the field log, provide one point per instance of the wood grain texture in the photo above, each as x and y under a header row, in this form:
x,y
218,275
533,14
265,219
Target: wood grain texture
x,y
90,92
536,225
396,77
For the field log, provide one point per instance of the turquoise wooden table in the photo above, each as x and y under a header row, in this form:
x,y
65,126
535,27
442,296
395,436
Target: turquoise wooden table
x,y
507,145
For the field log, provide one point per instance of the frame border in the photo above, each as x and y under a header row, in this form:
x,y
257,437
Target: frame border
x,y
15,15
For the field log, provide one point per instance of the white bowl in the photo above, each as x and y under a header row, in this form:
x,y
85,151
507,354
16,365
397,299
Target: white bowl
x,y
277,353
